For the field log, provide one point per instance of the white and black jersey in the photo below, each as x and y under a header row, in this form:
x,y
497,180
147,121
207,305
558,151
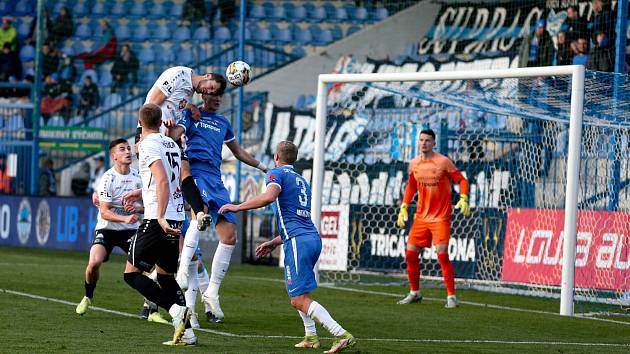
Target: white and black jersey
x,y
159,147
111,189
176,84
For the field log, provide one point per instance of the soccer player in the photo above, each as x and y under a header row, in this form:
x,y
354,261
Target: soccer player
x,y
173,91
291,197
115,224
430,175
156,244
204,142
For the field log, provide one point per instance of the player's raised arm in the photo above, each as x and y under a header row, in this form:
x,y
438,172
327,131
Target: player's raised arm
x,y
464,188
261,200
245,156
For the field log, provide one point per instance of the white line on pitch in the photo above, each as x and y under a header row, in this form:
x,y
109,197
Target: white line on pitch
x,y
471,303
409,340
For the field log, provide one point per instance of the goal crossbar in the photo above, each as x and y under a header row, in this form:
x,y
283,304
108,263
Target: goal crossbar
x,y
576,72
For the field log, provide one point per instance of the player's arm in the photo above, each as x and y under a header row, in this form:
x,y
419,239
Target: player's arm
x,y
162,190
266,198
156,96
107,214
410,191
245,156
266,247
464,188
176,132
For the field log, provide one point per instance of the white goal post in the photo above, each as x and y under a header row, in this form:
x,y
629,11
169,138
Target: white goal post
x,y
576,72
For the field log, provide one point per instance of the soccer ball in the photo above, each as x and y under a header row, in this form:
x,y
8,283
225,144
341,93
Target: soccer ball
x,y
238,73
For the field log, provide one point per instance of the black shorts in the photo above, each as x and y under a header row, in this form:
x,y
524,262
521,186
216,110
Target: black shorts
x,y
112,238
152,246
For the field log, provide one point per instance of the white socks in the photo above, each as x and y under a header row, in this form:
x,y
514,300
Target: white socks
x,y
319,313
190,245
203,281
220,265
193,287
153,275
309,324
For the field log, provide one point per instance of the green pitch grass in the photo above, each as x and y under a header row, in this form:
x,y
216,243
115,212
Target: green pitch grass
x,y
259,318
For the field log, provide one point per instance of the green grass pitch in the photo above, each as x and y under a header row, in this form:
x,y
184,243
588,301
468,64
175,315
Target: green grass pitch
x,y
40,289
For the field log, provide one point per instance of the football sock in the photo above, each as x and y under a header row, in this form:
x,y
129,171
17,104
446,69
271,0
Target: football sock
x,y
319,313
413,269
447,272
192,194
220,265
203,280
148,288
193,288
89,289
309,324
171,289
190,246
153,275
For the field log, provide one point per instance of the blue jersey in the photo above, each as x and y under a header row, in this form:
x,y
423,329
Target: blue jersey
x,y
293,205
205,139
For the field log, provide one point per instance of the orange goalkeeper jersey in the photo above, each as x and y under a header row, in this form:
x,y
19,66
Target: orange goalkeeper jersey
x,y
432,180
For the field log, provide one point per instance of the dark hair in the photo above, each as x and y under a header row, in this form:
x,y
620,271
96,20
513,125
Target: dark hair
x,y
287,152
574,8
428,132
151,116
114,143
222,83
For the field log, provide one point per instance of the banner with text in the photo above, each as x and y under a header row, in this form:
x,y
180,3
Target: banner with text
x,y
534,243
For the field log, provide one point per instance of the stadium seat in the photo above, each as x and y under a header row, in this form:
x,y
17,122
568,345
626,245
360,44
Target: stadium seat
x,y
278,13
318,14
309,8
381,14
222,35
15,122
119,9
157,10
299,14
137,9
146,56
23,29
360,14
304,36
352,29
202,34
185,55
182,34
336,32
123,32
141,33
324,37
57,8
161,33
27,53
76,120
268,7
263,35
23,8
164,55
288,8
341,14
78,47
315,30
6,7
83,31
99,8
283,36
80,9
56,121
177,10
105,76
257,12
331,10
67,48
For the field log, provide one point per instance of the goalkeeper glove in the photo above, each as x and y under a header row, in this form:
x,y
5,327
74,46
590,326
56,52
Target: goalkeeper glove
x,y
462,205
403,216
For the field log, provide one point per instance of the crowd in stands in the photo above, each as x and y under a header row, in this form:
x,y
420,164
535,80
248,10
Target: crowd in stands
x,y
589,43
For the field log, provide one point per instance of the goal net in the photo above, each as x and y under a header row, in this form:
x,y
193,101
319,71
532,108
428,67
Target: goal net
x,y
511,137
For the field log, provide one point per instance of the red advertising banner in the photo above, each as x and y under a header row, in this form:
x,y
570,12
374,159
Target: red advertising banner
x,y
534,241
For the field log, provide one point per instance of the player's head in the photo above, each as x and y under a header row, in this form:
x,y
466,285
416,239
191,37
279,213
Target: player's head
x,y
426,140
150,116
286,153
120,150
211,84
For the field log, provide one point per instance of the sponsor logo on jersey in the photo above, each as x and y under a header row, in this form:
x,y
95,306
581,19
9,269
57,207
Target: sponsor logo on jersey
x,y
207,126
24,221
271,178
182,104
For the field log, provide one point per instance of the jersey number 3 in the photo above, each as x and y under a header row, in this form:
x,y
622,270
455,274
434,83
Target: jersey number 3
x,y
302,197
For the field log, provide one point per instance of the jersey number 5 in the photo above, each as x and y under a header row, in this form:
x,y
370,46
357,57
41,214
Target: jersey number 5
x,y
172,160
302,197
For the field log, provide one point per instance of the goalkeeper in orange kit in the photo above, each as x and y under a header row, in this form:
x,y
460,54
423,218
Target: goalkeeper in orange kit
x,y
430,175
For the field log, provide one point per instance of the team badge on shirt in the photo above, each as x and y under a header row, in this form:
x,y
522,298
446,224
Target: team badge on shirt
x,y
271,178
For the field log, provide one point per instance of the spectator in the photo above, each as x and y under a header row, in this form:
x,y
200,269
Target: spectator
x,y
97,173
537,48
602,20
106,48
55,97
89,98
574,24
81,181
32,34
194,10
62,28
581,52
564,55
8,34
228,10
67,71
601,59
50,61
10,65
125,69
47,181
5,180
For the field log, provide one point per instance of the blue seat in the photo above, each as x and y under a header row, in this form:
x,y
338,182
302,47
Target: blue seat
x,y
263,35
161,33
141,33
105,77
268,6
99,8
23,29
304,36
352,29
318,14
222,35
299,13
185,56
57,8
381,14
182,34
6,7
137,9
123,32
80,9
315,30
56,121
157,10
283,36
341,14
146,56
324,37
176,10
15,122
360,14
257,12
78,47
331,10
336,32
278,13
309,7
298,51
23,8
83,31
119,9
166,55
202,34
67,48
76,120
27,53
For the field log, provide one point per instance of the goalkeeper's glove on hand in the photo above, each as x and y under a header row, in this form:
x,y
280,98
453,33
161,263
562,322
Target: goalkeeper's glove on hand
x,y
462,205
403,216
